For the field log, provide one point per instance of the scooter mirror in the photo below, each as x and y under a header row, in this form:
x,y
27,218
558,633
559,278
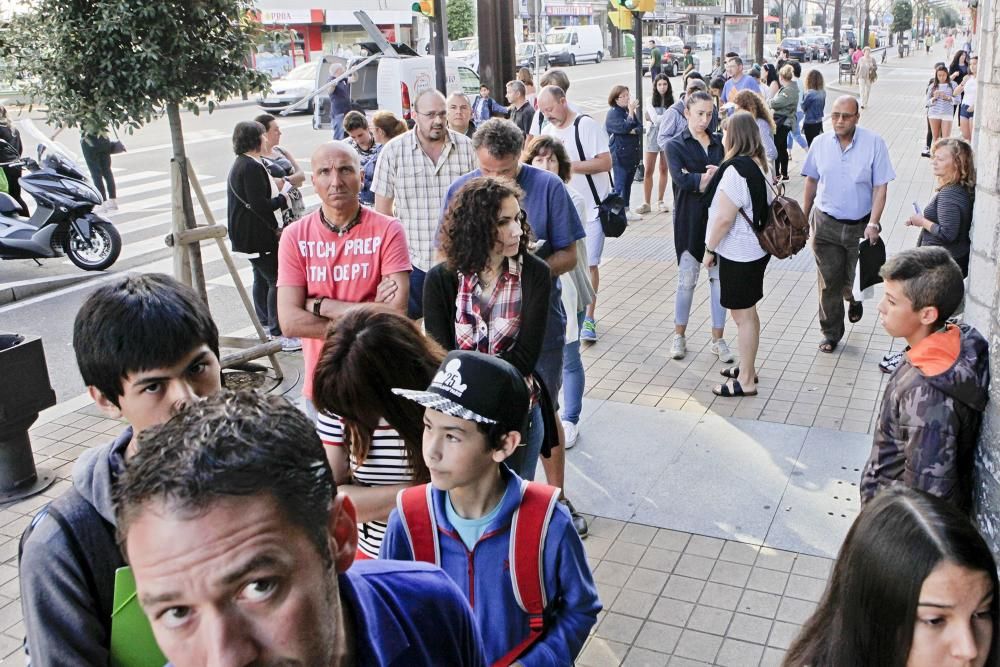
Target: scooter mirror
x,y
29,163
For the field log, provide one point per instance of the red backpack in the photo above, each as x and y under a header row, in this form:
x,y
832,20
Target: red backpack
x,y
528,528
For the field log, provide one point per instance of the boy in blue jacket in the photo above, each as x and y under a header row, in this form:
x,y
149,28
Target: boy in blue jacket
x,y
477,406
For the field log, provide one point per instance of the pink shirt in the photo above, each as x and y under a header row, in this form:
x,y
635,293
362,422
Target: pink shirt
x,y
345,268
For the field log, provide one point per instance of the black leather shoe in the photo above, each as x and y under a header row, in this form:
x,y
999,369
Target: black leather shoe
x,y
579,522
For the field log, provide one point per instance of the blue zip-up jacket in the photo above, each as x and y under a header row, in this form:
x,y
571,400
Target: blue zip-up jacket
x,y
623,131
569,585
813,104
484,108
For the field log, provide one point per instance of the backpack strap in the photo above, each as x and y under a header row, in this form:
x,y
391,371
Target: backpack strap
x,y
416,510
529,528
583,157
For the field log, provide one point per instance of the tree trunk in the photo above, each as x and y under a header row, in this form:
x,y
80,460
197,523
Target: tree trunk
x,y
186,205
836,29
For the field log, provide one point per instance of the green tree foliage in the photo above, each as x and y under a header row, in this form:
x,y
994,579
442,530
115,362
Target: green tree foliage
x,y
96,63
947,17
459,19
902,16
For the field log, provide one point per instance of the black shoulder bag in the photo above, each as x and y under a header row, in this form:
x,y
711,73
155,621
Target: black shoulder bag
x,y
612,209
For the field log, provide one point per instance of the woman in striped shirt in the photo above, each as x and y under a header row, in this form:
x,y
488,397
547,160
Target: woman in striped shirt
x,y
373,438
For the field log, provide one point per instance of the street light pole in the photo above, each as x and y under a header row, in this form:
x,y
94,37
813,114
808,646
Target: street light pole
x,y
637,37
439,26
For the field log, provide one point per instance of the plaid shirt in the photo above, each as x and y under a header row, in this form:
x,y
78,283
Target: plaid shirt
x,y
418,186
493,328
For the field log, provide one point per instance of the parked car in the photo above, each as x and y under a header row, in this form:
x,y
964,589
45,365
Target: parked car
x,y
291,88
528,52
703,42
673,55
465,49
817,49
796,48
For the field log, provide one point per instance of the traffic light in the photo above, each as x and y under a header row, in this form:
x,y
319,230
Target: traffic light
x,y
424,8
637,5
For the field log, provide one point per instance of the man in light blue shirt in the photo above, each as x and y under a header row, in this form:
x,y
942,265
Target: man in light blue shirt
x,y
737,80
847,176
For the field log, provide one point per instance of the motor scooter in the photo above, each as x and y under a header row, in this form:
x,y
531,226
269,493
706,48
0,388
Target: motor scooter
x,y
64,221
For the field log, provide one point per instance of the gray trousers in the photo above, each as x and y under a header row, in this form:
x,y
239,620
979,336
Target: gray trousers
x,y
835,246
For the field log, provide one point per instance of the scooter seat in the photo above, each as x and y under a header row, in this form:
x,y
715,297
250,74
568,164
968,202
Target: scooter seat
x,y
8,204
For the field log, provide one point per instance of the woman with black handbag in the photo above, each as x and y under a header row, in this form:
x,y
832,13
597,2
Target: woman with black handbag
x,y
624,131
282,158
255,220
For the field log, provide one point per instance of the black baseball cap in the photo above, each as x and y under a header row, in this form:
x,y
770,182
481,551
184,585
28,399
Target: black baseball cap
x,y
476,387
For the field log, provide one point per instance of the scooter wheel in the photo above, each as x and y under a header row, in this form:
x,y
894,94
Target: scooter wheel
x,y
99,252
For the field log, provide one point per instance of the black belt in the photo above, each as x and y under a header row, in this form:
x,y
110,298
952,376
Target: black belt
x,y
865,218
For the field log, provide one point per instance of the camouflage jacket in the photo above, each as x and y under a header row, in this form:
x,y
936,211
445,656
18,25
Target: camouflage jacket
x,y
930,416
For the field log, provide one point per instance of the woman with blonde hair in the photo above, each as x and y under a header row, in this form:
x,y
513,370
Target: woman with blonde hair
x,y
784,105
753,104
385,126
867,74
947,218
740,199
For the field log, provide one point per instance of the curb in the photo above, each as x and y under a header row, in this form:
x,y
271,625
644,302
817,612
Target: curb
x,y
24,289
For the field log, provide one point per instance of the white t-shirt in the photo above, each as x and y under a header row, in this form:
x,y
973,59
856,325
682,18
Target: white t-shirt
x,y
536,122
386,464
595,141
740,244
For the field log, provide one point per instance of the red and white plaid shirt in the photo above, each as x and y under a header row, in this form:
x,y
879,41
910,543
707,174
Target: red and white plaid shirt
x,y
491,328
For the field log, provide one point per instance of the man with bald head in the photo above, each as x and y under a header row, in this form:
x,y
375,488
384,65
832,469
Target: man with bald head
x,y
342,254
340,100
460,115
413,174
847,178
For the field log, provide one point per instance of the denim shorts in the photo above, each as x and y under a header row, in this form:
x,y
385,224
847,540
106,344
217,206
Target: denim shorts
x,y
963,111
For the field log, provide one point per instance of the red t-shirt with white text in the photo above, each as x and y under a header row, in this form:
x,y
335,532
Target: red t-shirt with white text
x,y
345,268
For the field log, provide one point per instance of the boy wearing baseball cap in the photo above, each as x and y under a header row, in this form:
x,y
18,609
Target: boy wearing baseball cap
x,y
477,519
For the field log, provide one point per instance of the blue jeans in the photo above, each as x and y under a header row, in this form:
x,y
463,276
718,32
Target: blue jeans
x,y
796,132
687,280
574,378
623,176
524,460
337,121
415,306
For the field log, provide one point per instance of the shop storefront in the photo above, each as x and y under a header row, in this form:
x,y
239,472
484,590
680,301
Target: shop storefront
x,y
291,37
343,30
581,13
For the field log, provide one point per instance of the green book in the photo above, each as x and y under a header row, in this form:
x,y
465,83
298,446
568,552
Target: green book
x,y
132,640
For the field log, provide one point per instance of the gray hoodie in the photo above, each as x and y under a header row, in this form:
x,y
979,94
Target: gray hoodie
x,y
67,580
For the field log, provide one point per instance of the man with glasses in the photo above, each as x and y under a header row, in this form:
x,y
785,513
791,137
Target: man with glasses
x,y
557,227
847,177
413,174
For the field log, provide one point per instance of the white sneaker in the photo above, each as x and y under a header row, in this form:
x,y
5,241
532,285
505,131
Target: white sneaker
x,y
643,209
111,205
721,348
679,348
632,216
572,432
290,344
662,206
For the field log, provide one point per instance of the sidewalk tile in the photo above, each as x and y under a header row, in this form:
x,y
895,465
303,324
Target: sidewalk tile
x,y
782,634
733,574
709,547
624,552
650,581
634,603
683,588
671,611
721,596
759,604
805,588
735,653
710,619
694,566
767,581
792,610
698,646
750,628
641,657
637,534
618,627
658,637
660,560
600,652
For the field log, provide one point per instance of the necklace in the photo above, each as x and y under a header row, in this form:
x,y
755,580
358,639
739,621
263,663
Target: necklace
x,y
340,231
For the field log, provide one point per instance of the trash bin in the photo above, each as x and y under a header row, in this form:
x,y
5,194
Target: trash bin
x,y
24,393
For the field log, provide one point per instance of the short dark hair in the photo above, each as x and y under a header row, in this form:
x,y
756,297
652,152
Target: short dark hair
x,y
930,277
234,444
247,136
469,230
265,119
869,609
544,144
501,138
718,83
736,59
355,120
137,323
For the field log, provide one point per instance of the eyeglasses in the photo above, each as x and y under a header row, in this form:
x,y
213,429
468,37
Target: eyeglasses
x,y
836,115
434,114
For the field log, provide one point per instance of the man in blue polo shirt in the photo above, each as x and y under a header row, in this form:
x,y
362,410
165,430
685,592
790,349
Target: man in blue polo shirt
x,y
737,80
556,225
240,546
847,177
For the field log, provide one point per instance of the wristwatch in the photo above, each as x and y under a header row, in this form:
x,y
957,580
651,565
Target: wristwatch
x,y
709,251
876,225
316,305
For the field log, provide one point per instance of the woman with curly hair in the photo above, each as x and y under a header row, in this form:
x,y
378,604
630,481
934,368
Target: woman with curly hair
x,y
490,294
372,437
753,103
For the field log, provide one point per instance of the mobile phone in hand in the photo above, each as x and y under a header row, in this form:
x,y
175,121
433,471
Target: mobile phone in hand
x,y
916,209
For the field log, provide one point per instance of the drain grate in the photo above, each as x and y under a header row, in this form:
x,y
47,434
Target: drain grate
x,y
802,262
635,246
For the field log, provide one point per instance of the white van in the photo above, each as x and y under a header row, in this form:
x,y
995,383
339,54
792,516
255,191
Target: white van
x,y
570,44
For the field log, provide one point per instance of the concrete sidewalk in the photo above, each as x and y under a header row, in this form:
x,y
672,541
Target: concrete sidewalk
x,y
714,520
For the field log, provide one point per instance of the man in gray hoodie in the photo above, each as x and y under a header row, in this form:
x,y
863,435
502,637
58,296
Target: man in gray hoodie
x,y
146,346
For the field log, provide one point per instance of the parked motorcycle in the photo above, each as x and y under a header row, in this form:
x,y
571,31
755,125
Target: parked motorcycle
x,y
64,221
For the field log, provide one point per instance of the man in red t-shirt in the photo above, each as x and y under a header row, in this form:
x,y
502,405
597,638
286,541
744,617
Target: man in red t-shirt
x,y
337,256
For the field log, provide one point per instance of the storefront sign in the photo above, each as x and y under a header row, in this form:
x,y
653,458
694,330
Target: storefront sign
x,y
285,16
569,10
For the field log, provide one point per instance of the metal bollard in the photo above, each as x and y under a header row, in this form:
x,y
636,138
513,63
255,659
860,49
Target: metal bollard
x,y
24,393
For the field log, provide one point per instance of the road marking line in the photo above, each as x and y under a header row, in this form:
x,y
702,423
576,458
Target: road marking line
x,y
201,140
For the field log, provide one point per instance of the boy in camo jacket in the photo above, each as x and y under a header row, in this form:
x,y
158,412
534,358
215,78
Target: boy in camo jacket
x,y
933,404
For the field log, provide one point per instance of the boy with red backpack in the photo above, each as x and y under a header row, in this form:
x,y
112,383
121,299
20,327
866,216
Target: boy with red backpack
x,y
477,519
